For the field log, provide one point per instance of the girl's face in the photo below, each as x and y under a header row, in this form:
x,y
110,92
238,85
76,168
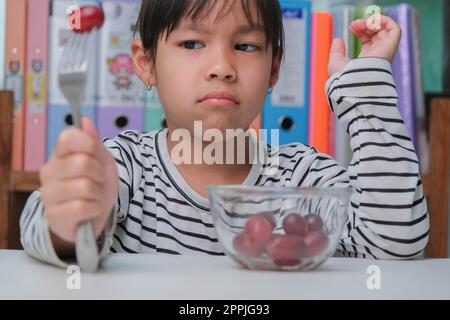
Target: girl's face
x,y
216,71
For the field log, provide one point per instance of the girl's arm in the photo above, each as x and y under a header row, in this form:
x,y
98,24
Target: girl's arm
x,y
388,217
36,237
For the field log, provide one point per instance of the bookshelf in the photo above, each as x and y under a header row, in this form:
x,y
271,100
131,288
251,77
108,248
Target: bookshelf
x,y
15,187
24,181
433,21
437,182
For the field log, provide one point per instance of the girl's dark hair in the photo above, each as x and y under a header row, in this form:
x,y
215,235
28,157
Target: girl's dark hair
x,y
158,16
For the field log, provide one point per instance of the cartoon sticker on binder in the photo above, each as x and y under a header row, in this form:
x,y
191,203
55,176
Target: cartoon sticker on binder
x,y
36,87
122,68
37,67
14,82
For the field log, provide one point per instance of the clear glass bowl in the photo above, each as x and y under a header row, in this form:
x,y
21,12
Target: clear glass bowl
x,y
278,228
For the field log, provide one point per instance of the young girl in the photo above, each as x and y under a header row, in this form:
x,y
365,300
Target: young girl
x,y
213,63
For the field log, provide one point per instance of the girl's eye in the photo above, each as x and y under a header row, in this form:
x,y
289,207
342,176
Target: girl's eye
x,y
192,45
247,47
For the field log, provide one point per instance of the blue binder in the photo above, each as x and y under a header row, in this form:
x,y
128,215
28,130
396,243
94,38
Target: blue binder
x,y
286,108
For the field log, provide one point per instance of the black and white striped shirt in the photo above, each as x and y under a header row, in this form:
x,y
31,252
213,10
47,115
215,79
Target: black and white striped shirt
x,y
157,211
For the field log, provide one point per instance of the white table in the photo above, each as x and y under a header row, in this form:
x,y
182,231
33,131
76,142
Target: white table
x,y
126,276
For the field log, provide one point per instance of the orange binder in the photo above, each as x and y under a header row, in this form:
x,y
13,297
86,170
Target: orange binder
x,y
319,111
15,53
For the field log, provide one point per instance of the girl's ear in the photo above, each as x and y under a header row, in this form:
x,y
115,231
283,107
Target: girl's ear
x,y
275,71
142,64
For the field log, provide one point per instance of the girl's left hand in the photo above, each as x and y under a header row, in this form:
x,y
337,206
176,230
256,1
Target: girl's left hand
x,y
379,42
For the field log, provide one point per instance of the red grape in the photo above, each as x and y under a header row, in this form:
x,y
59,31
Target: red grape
x,y
316,242
314,222
244,246
269,217
259,229
294,224
286,250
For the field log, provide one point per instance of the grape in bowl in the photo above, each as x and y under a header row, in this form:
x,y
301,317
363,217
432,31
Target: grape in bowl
x,y
278,228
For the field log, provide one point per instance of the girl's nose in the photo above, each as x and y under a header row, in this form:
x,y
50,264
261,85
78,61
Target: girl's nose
x,y
222,68
222,76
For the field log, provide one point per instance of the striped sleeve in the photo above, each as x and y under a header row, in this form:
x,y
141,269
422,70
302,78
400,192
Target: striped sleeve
x,y
35,233
388,217
126,150
34,229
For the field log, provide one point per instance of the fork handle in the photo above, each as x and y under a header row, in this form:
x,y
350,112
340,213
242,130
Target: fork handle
x,y
76,116
86,248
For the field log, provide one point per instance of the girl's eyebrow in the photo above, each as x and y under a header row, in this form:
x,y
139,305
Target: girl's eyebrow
x,y
247,28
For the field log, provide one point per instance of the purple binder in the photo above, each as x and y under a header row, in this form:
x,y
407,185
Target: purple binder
x,y
403,67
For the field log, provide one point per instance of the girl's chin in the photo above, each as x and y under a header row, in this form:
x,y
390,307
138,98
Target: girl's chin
x,y
223,131
217,124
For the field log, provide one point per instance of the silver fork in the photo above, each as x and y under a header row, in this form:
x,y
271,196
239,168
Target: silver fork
x,y
72,76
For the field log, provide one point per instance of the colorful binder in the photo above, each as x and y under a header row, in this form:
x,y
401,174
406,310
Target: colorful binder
x,y
154,113
403,68
319,111
286,108
446,45
435,28
59,117
422,143
15,52
342,17
2,42
121,92
36,87
359,14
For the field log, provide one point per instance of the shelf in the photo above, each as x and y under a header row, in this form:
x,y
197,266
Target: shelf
x,y
24,181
